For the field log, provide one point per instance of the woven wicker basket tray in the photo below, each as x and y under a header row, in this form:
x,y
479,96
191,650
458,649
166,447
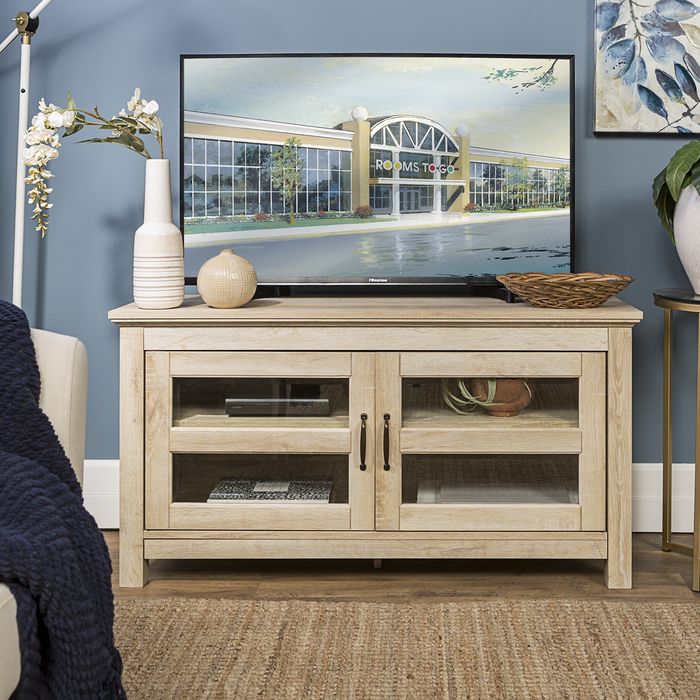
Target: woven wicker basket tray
x,y
583,290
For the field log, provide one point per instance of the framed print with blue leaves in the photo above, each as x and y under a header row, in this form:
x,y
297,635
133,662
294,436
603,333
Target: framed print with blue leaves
x,y
647,66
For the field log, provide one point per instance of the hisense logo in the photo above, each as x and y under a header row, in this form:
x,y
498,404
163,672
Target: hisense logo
x,y
377,279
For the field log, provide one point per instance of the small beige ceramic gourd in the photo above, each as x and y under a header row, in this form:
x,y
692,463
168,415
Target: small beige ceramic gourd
x,y
226,281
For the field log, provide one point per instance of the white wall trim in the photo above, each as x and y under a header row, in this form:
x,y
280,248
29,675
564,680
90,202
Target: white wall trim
x,y
101,492
647,499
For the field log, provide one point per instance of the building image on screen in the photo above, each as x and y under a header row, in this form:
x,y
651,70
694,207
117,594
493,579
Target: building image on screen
x,y
378,168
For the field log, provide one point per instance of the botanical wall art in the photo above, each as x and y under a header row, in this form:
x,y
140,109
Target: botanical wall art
x,y
647,66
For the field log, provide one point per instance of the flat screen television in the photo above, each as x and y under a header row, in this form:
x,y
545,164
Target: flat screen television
x,y
380,169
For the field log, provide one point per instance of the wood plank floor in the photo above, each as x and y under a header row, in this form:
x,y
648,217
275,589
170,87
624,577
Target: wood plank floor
x,y
657,576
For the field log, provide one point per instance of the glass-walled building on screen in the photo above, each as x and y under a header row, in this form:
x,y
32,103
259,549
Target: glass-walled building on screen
x,y
396,165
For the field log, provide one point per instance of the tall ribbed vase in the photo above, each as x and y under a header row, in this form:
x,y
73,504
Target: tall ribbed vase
x,y
159,274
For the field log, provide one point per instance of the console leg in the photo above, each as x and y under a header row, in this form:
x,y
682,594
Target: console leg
x,y
618,567
133,568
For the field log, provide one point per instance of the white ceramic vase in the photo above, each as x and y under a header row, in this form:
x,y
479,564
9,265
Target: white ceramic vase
x,y
159,272
686,228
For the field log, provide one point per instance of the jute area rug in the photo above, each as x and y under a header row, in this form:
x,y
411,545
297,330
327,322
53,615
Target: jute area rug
x,y
203,648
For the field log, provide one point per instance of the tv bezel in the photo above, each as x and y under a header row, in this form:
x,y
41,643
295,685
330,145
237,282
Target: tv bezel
x,y
425,285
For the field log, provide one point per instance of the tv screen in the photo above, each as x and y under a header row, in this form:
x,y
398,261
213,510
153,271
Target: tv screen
x,y
378,169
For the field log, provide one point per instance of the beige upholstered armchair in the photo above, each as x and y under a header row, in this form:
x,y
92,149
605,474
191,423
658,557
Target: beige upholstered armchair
x,y
62,364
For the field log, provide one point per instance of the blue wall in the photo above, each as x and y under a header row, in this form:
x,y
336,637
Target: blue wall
x,y
100,51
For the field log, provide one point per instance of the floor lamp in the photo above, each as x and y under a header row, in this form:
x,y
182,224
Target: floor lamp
x,y
26,24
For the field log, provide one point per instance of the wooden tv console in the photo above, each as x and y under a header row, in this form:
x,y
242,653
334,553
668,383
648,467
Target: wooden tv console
x,y
408,477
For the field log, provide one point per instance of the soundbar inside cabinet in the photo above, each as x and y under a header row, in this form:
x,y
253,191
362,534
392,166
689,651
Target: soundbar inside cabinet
x,y
375,428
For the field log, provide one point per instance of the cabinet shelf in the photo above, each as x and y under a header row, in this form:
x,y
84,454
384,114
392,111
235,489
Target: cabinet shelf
x,y
492,516
260,516
272,439
542,418
490,441
222,421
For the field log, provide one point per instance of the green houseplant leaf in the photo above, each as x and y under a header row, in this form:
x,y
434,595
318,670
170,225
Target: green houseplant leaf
x,y
683,170
679,166
133,143
659,182
695,176
665,207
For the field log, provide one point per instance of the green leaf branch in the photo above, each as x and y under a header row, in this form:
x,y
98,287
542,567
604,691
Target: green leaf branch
x,y
51,123
543,77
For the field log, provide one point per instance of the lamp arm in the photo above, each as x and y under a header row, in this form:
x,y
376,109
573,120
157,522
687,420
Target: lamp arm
x,y
15,32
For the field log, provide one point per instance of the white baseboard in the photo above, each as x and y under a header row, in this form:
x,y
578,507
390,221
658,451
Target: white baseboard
x,y
647,501
101,492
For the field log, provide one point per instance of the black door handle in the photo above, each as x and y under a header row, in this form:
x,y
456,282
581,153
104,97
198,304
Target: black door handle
x,y
363,442
387,466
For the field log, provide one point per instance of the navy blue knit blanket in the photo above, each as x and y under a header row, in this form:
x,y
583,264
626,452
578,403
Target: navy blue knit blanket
x,y
52,555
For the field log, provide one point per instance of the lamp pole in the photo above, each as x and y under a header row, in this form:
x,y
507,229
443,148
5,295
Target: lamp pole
x,y
26,24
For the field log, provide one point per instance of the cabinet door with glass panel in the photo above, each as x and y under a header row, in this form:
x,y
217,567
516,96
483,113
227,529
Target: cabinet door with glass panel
x,y
501,441
259,440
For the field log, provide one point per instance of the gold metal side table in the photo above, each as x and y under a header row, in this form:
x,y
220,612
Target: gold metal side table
x,y
671,300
